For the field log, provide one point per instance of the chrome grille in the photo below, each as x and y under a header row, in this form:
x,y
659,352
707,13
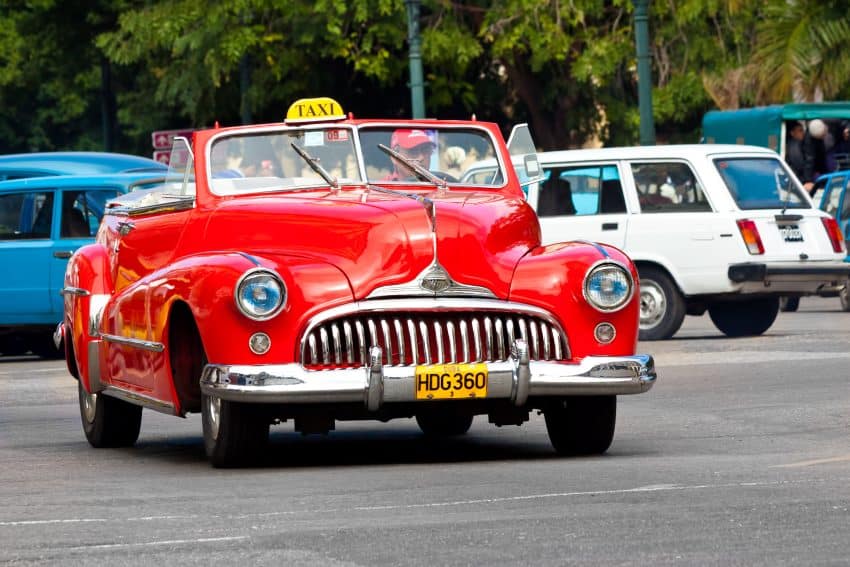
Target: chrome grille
x,y
408,339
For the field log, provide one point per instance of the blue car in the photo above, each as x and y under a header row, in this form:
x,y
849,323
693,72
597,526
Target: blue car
x,y
835,200
43,220
40,164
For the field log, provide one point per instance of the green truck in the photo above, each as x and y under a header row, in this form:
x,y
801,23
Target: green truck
x,y
765,126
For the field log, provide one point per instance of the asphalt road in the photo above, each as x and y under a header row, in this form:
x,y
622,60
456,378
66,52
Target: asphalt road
x,y
740,455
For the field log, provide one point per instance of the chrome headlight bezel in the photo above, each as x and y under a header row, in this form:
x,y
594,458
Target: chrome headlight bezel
x,y
256,276
599,269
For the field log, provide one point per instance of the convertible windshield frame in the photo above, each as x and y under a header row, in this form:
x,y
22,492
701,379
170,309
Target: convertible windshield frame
x,y
268,163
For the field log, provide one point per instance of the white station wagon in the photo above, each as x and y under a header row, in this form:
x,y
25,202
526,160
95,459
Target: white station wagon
x,y
726,229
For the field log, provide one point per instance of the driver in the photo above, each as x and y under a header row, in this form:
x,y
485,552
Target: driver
x,y
414,145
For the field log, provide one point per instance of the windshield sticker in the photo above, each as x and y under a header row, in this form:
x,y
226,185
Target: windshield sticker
x,y
314,138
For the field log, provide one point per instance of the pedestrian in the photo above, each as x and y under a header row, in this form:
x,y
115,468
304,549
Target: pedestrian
x,y
798,154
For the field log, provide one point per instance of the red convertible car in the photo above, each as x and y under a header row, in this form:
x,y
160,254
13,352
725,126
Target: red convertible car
x,y
331,268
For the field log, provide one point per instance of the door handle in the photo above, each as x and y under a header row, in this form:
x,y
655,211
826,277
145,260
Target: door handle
x,y
62,254
609,225
124,227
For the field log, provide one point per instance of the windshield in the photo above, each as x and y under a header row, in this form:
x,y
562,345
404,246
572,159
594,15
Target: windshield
x,y
761,183
448,153
266,161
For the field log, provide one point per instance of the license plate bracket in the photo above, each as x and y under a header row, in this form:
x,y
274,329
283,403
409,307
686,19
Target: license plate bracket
x,y
451,381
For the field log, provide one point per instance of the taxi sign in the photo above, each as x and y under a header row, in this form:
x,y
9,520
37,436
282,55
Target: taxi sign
x,y
314,110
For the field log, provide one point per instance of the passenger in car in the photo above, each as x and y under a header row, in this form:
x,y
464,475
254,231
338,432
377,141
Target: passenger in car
x,y
74,223
556,197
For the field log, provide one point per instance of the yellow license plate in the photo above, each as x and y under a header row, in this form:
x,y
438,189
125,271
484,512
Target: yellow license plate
x,y
451,381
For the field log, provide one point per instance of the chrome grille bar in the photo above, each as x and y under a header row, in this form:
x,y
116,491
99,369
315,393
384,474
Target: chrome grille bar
x,y
441,337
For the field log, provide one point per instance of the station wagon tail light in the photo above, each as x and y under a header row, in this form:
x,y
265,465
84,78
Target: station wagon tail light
x,y
751,237
608,287
835,236
260,294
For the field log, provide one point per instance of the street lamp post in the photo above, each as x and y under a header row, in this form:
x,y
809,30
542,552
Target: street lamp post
x,y
644,69
417,94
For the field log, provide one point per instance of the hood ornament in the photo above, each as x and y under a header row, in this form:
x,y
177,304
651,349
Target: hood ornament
x,y
435,280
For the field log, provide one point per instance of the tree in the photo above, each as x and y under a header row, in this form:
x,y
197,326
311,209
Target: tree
x,y
803,50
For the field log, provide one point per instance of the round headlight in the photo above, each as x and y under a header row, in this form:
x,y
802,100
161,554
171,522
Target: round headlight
x,y
260,294
608,287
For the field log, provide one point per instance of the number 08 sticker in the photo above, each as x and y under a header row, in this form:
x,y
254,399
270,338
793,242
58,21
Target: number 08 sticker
x,y
451,381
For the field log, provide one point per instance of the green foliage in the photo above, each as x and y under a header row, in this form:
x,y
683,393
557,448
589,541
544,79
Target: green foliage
x,y
568,67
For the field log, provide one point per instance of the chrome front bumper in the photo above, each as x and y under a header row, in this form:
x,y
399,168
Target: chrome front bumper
x,y
516,379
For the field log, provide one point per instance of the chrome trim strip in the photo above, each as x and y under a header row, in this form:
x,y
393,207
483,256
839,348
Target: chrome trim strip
x,y
139,399
135,343
77,291
373,385
97,303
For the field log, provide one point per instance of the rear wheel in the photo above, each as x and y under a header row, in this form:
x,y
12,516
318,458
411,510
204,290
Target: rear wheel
x,y
844,296
581,425
662,307
234,433
436,424
107,421
744,318
789,303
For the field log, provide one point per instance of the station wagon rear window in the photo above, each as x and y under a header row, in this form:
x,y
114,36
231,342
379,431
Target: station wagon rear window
x,y
761,183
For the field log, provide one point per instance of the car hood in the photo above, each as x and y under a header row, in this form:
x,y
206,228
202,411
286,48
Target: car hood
x,y
380,239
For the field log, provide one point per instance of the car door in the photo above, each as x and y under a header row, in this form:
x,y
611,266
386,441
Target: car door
x,y
677,226
26,224
582,202
79,214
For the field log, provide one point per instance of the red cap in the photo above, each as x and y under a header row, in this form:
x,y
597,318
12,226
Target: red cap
x,y
408,139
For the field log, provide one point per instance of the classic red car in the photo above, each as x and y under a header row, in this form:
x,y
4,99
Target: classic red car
x,y
330,268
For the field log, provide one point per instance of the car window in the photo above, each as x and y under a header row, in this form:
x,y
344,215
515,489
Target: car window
x,y
82,211
833,195
26,216
761,183
668,187
583,190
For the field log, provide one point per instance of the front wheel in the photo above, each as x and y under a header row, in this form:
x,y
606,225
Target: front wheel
x,y
581,425
234,433
662,307
435,424
744,318
107,421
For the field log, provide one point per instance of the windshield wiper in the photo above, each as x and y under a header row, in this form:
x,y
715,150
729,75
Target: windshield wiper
x,y
417,169
314,165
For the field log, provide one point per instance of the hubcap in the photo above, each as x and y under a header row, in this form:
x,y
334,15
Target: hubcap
x,y
653,304
214,414
89,406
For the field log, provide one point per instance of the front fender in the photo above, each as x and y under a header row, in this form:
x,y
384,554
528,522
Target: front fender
x,y
88,285
206,284
552,277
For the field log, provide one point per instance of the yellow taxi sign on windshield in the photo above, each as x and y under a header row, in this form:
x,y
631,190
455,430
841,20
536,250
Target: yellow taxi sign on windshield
x,y
314,110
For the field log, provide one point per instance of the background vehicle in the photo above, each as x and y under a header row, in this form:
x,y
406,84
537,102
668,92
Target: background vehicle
x,y
835,201
766,126
717,228
19,166
42,222
348,278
